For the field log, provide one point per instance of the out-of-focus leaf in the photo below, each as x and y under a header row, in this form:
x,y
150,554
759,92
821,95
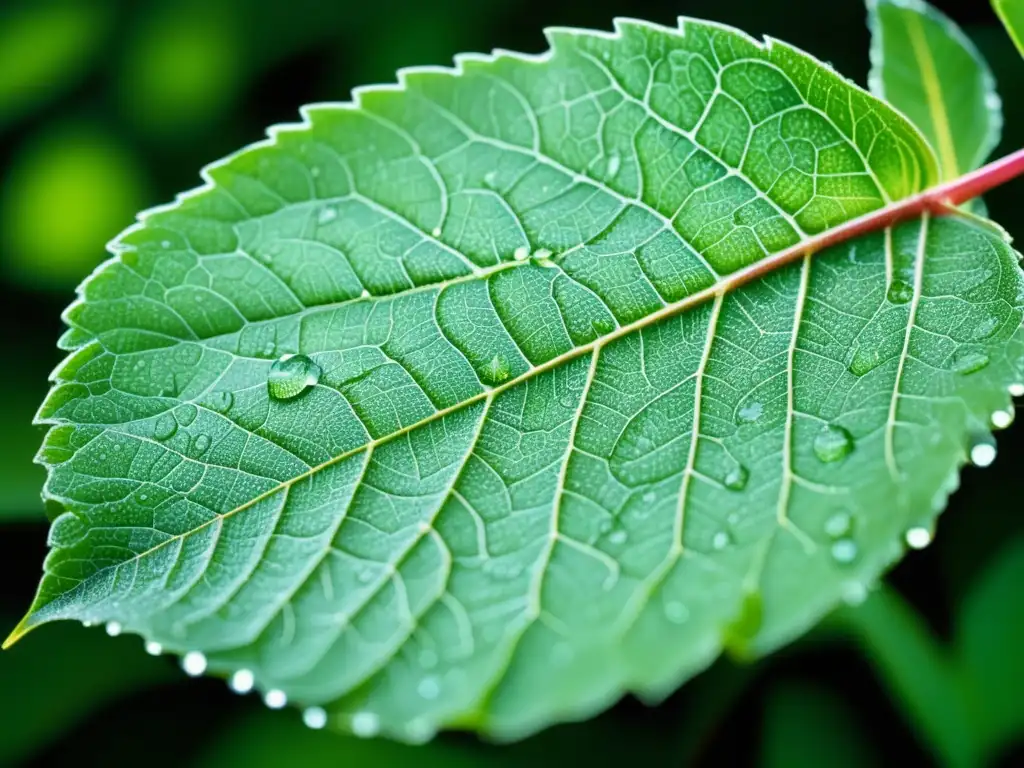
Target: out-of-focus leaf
x,y
990,647
67,194
809,726
44,47
51,685
927,68
1012,14
183,67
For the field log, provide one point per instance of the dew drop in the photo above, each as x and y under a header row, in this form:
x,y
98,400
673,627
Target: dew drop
x,y
365,576
737,478
733,518
165,244
428,658
87,624
490,179
918,538
966,363
853,592
862,363
165,427
832,443
837,525
314,171
291,375
365,724
618,537
242,681
327,215
429,688
419,731
275,699
614,162
1002,419
154,648
900,292
649,498
522,253
750,412
194,663
720,540
221,401
200,445
542,255
1016,390
436,232
496,371
314,717
844,551
992,101
605,525
186,414
983,454
676,612
113,628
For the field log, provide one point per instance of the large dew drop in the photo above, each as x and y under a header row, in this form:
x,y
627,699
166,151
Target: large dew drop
x,y
242,681
900,292
365,724
194,663
314,717
967,362
832,443
165,427
736,479
844,551
750,412
275,699
291,375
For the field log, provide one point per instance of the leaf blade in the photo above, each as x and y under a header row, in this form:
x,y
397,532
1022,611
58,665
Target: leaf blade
x,y
1011,13
422,518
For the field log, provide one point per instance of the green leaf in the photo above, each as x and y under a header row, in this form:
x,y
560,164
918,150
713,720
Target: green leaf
x,y
809,725
534,444
927,68
1011,12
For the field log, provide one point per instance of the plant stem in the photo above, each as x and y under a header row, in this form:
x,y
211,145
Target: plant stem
x,y
938,200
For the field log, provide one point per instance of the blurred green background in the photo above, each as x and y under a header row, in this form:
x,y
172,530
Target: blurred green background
x,y
110,107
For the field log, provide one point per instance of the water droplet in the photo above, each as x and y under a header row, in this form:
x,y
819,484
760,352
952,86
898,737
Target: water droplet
x,y
649,498
542,255
900,292
832,443
853,592
429,688
419,731
750,412
1002,419
154,648
605,525
737,478
275,699
113,628
314,717
496,371
862,362
918,538
165,243
242,681
314,171
291,375
522,253
194,663
838,525
992,101
186,414
365,724
428,658
676,612
490,179
967,362
983,454
327,215
165,427
733,518
844,551
720,540
88,624
221,401
365,576
202,442
1016,390
436,232
618,537
614,162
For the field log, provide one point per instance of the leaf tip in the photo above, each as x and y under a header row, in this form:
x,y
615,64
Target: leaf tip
x,y
22,629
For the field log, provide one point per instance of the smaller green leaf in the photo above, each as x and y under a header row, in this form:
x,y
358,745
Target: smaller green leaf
x,y
990,636
809,725
926,67
1011,12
